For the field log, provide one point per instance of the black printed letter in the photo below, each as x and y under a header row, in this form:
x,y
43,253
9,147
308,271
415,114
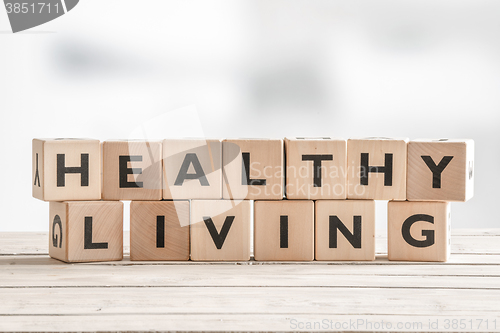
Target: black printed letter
x,y
436,169
317,166
124,170
191,158
245,175
160,231
88,236
386,169
57,221
429,234
62,170
218,238
354,238
37,175
283,231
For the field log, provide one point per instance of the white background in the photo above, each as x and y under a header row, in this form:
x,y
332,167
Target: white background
x,y
253,69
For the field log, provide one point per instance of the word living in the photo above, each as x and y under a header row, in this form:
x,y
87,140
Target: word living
x,y
191,198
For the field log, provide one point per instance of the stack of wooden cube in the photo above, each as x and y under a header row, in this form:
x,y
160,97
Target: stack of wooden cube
x,y
192,198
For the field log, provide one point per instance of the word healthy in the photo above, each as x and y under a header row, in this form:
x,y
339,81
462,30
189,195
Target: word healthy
x,y
196,199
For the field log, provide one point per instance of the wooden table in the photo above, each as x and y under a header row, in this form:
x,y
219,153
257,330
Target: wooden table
x,y
38,293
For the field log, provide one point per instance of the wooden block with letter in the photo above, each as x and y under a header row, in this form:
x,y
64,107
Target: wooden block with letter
x,y
418,231
284,230
66,169
376,168
315,168
82,231
192,169
345,230
253,169
132,170
440,170
220,230
159,230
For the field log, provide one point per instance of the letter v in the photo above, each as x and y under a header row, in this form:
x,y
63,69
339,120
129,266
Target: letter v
x,y
218,238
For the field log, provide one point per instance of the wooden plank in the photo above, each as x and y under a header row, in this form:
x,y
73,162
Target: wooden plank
x,y
381,260
465,241
246,322
394,276
25,243
36,243
457,232
485,244
43,294
249,300
476,232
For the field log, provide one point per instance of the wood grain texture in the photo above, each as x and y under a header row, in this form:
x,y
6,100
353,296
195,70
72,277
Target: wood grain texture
x,y
296,242
58,230
107,227
242,322
56,274
467,245
345,210
235,245
292,301
421,231
205,153
455,181
147,175
376,148
265,163
44,169
300,173
45,295
144,228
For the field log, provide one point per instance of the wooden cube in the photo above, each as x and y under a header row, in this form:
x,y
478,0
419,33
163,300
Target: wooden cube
x,y
159,230
253,169
418,231
315,168
132,170
66,169
376,168
192,169
440,170
82,231
284,230
345,230
220,230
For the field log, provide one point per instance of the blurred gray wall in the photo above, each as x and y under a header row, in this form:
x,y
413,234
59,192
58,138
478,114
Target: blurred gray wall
x,y
111,69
